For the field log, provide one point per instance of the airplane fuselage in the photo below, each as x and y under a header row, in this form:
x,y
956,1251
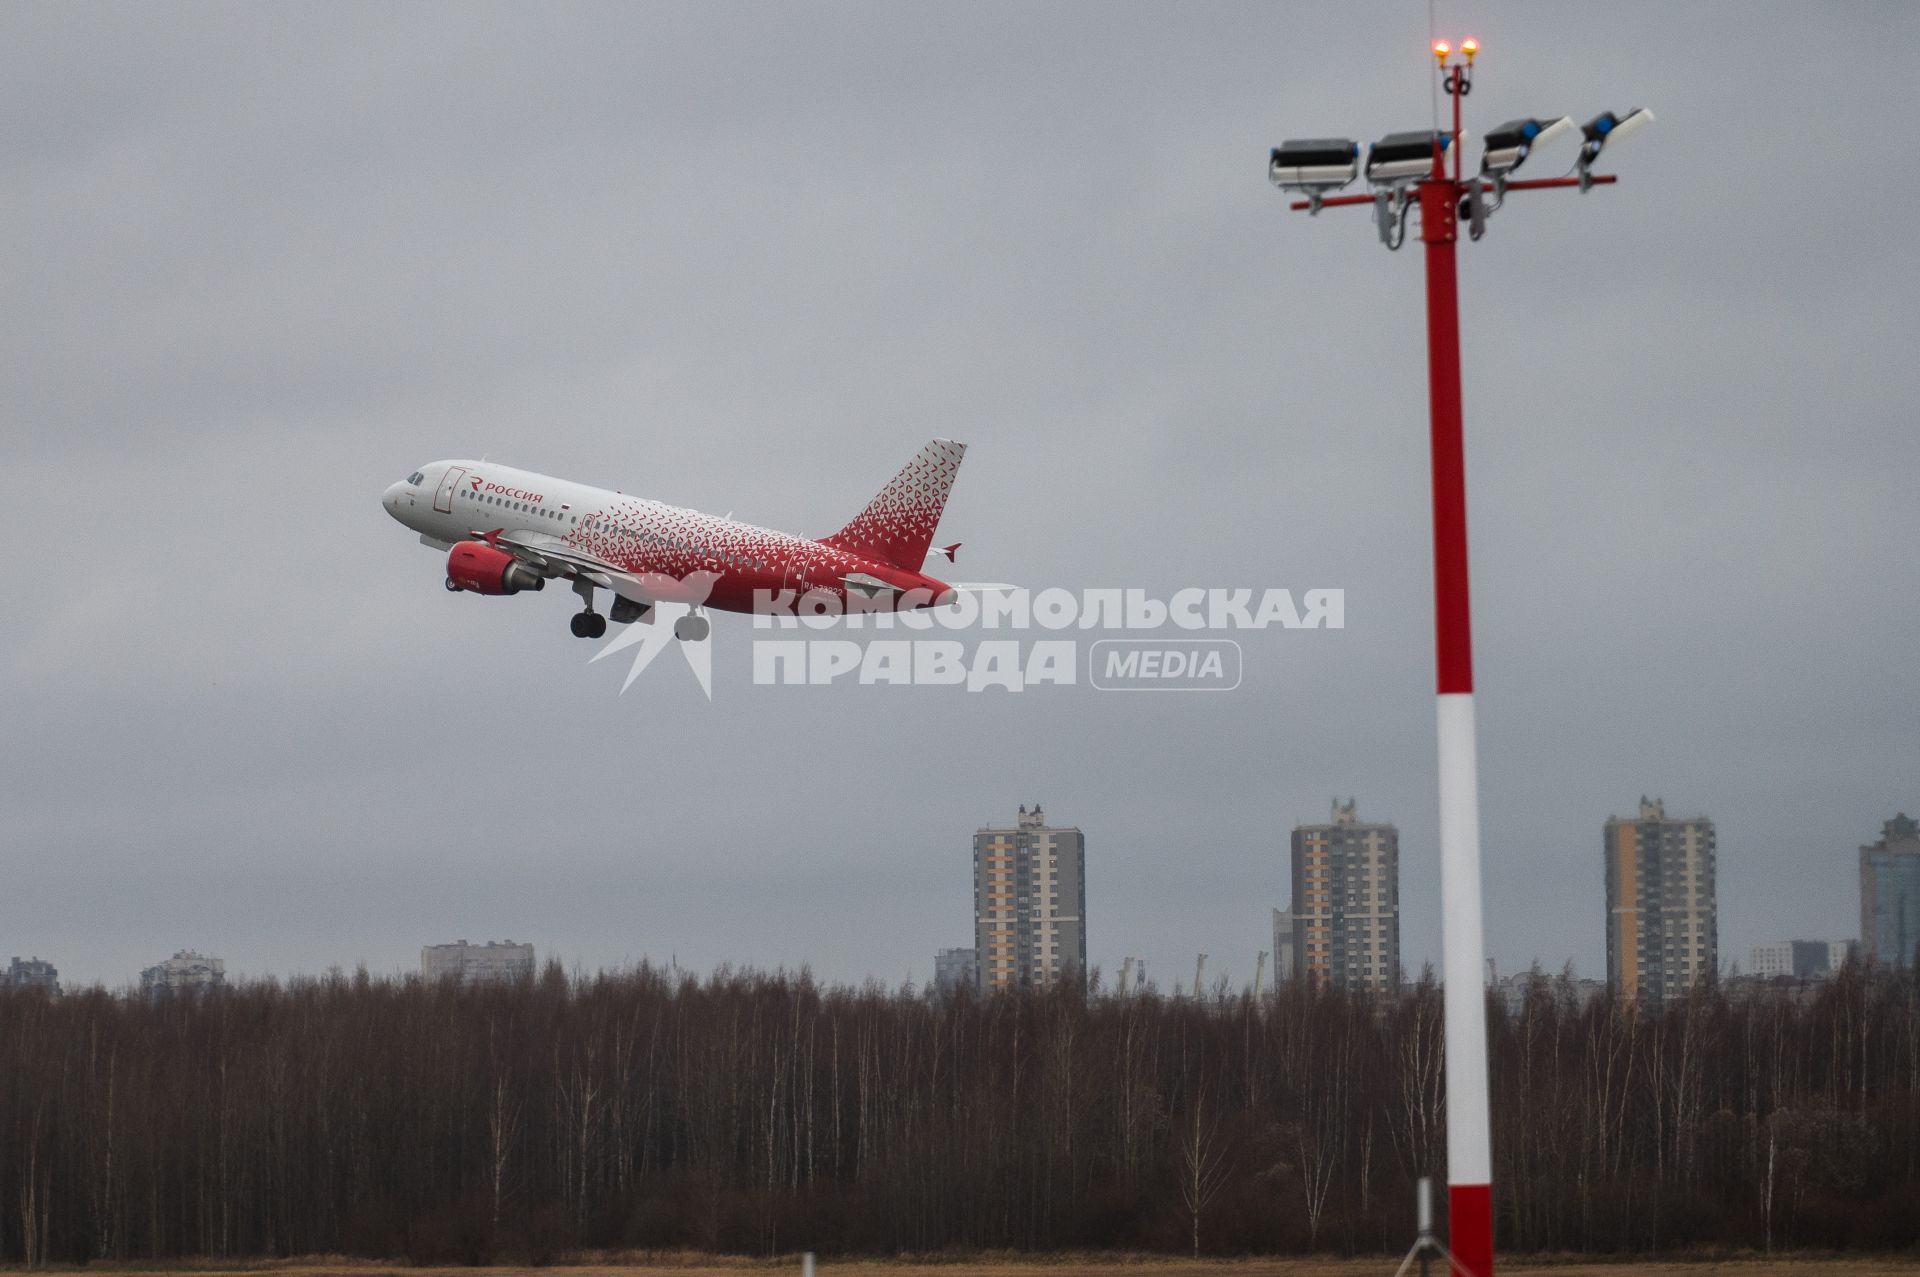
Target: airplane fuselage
x,y
661,552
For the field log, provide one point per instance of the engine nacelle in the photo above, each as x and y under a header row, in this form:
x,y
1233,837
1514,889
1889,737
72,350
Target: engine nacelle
x,y
485,570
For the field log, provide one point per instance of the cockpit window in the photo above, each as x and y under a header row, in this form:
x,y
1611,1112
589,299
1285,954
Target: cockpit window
x,y
416,478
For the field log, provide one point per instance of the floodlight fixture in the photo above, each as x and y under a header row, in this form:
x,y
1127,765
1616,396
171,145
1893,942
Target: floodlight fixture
x,y
1405,157
1509,145
1603,129
1314,166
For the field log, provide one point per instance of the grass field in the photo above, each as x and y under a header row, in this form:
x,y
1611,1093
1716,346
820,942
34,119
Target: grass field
x,y
1066,1266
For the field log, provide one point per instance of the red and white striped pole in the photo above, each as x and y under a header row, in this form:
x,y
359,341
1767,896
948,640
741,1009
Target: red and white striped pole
x,y
1463,945
1315,168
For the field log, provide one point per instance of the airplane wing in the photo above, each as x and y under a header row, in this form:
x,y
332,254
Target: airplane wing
x,y
555,557
544,550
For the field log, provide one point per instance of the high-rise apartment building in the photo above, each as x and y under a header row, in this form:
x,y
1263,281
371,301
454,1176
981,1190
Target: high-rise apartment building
x,y
185,972
1346,903
1029,903
1284,969
1890,893
32,973
1663,930
477,963
1517,989
1797,959
955,969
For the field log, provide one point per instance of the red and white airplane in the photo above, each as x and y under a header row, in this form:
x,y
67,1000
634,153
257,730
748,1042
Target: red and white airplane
x,y
507,530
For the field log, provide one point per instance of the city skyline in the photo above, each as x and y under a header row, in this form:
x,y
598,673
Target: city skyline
x,y
1764,958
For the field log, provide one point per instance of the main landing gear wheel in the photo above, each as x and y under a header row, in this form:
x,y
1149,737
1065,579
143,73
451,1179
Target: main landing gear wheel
x,y
453,587
692,628
587,623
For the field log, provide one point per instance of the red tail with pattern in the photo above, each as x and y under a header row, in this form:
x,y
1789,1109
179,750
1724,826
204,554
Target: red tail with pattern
x,y
898,525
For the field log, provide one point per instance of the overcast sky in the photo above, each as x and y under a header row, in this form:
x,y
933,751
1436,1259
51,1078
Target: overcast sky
x,y
262,261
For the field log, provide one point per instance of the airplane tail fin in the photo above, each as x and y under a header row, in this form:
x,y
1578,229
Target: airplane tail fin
x,y
897,526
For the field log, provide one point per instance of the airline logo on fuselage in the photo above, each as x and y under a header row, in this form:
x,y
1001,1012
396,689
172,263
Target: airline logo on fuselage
x,y
501,490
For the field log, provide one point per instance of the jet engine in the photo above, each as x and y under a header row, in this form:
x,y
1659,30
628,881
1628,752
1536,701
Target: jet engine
x,y
485,570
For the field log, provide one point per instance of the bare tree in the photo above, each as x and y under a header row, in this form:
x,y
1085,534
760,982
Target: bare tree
x,y
1203,1167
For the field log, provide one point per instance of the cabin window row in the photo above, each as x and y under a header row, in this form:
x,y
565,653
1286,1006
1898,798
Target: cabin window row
x,y
522,506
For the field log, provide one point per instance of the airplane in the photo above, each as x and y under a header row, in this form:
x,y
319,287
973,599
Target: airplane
x,y
506,531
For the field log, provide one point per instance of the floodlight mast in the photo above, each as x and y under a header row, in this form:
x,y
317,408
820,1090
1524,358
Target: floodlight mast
x,y
1442,200
1463,943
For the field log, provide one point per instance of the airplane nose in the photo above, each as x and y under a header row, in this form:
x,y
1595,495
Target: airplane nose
x,y
391,499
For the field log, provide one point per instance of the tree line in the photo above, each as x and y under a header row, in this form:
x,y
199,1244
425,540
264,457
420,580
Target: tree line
x,y
765,1113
